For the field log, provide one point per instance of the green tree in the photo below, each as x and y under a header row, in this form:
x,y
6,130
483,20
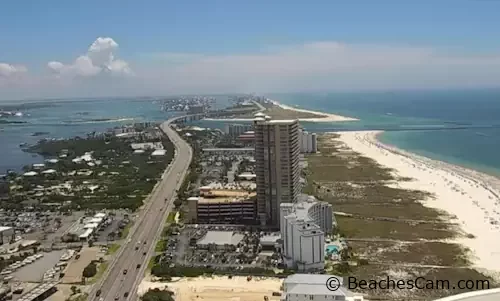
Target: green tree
x,y
158,295
90,270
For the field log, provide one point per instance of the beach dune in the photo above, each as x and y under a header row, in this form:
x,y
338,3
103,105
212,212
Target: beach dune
x,y
470,196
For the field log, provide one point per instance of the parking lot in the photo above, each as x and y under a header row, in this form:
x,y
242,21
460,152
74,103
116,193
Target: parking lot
x,y
217,246
74,270
34,272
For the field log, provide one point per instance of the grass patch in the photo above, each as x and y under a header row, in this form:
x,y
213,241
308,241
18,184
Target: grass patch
x,y
151,263
126,230
395,272
361,228
418,252
112,249
161,245
171,217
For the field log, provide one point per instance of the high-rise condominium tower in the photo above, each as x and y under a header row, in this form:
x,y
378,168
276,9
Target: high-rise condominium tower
x,y
277,151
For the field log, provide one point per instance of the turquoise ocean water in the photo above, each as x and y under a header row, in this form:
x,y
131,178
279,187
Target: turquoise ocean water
x,y
459,127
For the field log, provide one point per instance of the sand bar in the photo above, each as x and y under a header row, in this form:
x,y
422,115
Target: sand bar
x,y
326,117
470,196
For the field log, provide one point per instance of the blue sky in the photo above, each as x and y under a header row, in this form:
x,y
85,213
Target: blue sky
x,y
426,38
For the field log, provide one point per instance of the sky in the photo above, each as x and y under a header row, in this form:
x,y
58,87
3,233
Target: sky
x,y
60,48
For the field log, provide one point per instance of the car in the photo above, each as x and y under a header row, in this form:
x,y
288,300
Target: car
x,y
138,265
125,295
136,248
125,272
144,253
98,293
145,242
117,298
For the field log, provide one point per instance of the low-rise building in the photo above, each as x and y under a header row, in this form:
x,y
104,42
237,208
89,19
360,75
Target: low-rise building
x,y
307,287
221,239
6,234
303,226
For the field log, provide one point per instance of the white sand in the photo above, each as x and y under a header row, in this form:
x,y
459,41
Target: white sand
x,y
327,117
217,288
472,197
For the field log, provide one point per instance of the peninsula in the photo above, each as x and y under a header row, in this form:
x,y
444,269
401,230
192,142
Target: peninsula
x,y
279,111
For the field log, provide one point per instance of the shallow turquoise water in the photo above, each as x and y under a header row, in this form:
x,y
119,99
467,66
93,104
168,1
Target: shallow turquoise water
x,y
412,119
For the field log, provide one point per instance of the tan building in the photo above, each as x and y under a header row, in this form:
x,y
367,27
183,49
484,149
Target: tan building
x,y
277,151
223,207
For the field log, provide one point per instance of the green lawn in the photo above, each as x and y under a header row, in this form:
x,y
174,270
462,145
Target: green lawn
x,y
160,245
126,230
112,249
171,217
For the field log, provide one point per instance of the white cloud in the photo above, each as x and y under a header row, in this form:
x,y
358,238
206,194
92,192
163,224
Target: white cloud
x,y
100,58
326,65
8,70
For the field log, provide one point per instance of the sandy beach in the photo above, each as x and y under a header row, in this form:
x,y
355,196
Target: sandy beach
x,y
327,117
470,196
217,288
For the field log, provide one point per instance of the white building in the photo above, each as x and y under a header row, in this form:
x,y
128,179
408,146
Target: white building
x,y
307,287
6,234
308,142
303,226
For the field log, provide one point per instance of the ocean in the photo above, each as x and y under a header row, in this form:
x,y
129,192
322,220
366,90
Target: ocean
x,y
459,127
64,119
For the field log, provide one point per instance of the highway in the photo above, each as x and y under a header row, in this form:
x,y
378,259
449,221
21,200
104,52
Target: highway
x,y
140,243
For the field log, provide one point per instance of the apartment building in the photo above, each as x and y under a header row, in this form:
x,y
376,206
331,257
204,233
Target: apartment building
x,y
277,152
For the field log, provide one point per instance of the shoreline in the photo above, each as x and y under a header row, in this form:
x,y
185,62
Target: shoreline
x,y
471,197
327,117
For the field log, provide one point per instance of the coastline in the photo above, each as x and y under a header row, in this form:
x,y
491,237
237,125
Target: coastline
x,y
470,196
327,117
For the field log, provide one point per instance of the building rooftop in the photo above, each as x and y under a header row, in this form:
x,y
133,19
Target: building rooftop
x,y
282,121
2,228
221,238
483,295
302,206
221,200
159,152
270,239
312,284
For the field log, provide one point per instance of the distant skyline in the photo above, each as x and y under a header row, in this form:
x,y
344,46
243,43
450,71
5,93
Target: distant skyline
x,y
95,48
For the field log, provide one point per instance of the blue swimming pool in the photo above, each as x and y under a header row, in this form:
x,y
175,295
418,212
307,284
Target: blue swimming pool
x,y
332,249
